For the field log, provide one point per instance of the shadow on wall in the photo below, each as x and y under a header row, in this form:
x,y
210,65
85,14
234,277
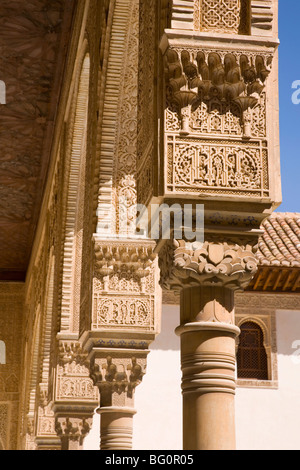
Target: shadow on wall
x,y
288,333
167,340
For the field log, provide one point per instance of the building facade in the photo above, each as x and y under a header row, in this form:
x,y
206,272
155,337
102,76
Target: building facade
x,y
119,115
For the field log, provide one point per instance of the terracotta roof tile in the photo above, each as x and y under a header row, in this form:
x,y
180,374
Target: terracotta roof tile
x,y
280,243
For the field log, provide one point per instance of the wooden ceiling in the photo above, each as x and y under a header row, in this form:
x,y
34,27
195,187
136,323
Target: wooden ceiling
x,y
33,39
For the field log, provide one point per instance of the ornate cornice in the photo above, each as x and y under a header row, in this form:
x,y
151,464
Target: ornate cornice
x,y
194,74
134,256
71,352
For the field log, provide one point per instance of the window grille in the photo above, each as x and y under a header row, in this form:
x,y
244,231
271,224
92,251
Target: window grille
x,y
252,360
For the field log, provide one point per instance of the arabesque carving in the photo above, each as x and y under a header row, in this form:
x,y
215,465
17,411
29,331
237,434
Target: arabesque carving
x,y
217,166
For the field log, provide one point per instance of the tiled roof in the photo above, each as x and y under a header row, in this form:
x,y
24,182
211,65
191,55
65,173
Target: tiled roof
x,y
280,243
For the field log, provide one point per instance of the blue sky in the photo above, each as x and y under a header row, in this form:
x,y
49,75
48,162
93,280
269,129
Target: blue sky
x,y
289,71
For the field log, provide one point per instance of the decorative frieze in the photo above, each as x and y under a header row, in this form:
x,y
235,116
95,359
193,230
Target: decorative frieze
x,y
125,291
217,167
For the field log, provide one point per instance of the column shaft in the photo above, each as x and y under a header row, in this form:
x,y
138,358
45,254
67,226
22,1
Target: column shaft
x,y
116,428
208,369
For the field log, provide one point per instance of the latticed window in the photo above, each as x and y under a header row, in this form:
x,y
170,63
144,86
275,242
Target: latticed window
x,y
252,361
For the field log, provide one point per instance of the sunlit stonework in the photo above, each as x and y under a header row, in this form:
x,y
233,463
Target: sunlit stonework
x,y
147,102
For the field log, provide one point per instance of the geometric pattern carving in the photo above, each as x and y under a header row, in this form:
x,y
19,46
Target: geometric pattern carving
x,y
216,117
222,16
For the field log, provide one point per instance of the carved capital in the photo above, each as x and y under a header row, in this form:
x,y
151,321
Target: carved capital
x,y
117,373
216,263
72,430
71,351
73,386
73,427
194,76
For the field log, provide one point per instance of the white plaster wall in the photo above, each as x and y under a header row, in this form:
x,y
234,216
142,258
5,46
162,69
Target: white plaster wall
x,y
158,423
269,419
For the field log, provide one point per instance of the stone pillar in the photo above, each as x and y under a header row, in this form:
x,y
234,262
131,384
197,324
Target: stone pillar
x,y
207,275
117,373
208,368
75,397
218,113
125,319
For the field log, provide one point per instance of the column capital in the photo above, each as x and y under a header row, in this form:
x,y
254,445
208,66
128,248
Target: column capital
x,y
72,430
213,263
117,373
